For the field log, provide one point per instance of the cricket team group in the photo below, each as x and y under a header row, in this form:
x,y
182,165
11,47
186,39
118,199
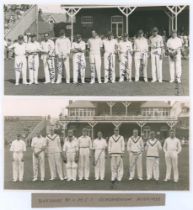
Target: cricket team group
x,y
72,159
56,56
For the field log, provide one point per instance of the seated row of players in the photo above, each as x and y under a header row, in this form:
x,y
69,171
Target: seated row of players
x,y
76,155
56,56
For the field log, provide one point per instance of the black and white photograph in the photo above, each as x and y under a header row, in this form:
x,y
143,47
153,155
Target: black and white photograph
x,y
96,145
96,50
96,104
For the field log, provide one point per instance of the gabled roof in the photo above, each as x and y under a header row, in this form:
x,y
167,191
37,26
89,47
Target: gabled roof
x,y
57,17
81,104
43,27
155,104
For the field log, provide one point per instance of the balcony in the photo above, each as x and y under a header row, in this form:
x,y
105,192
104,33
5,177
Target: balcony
x,y
117,118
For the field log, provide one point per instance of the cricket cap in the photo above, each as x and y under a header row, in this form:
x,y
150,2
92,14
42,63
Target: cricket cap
x,y
18,136
84,129
140,31
33,35
109,33
20,37
125,35
78,36
155,29
174,31
46,35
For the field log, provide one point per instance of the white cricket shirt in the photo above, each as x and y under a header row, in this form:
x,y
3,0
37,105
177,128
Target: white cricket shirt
x,y
116,145
19,49
95,44
62,46
99,144
70,146
109,45
53,143
33,47
135,144
81,45
84,142
18,146
141,45
172,145
156,42
174,43
125,46
153,147
38,143
47,46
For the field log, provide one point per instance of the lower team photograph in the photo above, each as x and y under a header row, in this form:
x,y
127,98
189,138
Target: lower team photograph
x,y
96,145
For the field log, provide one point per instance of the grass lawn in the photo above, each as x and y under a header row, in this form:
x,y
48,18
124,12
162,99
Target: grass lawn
x,y
117,89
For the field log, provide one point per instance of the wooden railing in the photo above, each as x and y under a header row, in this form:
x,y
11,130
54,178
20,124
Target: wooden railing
x,y
117,118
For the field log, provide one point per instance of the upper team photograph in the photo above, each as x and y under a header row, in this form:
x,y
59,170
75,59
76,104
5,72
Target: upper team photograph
x,y
96,50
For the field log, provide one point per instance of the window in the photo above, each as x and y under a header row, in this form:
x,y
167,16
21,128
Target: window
x,y
81,112
51,20
72,112
117,25
117,19
87,21
77,112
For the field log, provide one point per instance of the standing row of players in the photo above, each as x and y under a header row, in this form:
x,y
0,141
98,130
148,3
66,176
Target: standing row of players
x,y
76,153
56,57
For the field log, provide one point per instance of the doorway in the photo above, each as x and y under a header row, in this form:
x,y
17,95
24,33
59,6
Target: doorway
x,y
117,25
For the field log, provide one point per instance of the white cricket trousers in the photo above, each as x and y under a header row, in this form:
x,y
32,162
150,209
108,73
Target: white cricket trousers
x,y
84,163
49,68
20,68
71,166
135,160
125,66
79,66
95,65
116,167
152,167
99,164
33,66
175,68
39,165
66,63
46,69
171,158
156,66
141,60
55,164
109,66
18,166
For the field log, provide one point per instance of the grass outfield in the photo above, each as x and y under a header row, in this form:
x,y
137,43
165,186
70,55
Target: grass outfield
x,y
116,89
135,185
